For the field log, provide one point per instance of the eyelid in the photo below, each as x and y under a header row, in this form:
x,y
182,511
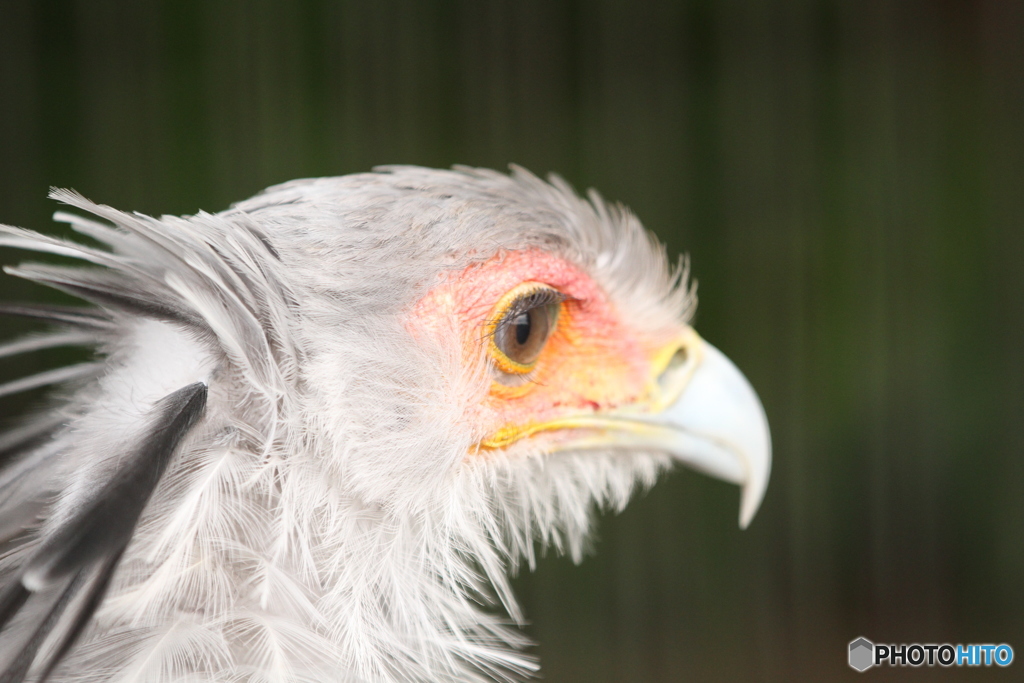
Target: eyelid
x,y
544,296
519,299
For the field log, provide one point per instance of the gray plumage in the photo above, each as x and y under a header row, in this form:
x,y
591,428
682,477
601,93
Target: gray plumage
x,y
263,476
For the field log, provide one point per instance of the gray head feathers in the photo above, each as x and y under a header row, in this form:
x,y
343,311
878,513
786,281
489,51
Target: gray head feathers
x,y
288,463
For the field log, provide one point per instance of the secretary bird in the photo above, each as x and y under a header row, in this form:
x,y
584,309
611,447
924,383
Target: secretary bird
x,y
323,426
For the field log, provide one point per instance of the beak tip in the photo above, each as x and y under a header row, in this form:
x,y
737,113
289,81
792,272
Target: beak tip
x,y
748,508
754,488
720,427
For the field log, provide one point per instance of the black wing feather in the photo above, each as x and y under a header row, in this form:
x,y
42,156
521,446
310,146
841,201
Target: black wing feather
x,y
11,600
93,598
98,534
18,669
108,522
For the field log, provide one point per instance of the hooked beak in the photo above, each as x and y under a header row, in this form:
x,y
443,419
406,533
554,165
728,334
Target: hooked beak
x,y
704,413
714,421
700,409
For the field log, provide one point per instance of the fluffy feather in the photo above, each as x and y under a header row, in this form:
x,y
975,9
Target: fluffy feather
x,y
321,521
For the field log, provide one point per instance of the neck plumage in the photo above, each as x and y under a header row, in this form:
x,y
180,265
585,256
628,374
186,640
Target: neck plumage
x,y
247,566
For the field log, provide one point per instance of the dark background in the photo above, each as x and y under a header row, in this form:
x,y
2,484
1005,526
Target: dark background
x,y
848,178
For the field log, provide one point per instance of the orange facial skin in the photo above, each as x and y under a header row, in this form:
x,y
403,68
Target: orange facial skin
x,y
592,362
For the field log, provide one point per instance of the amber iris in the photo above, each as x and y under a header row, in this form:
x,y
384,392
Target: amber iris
x,y
526,318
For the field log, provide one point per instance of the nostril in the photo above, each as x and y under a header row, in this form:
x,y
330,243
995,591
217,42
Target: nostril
x,y
675,364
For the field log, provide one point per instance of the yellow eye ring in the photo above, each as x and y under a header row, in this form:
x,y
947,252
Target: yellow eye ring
x,y
520,325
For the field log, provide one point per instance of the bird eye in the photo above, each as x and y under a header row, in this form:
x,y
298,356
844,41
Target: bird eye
x,y
525,319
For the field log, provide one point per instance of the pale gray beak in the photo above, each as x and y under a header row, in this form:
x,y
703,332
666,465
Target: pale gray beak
x,y
718,426
709,418
701,410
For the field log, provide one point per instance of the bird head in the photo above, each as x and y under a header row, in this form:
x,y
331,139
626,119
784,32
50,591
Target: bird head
x,y
403,382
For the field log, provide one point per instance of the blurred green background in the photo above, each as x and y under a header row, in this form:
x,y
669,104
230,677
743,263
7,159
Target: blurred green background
x,y
848,178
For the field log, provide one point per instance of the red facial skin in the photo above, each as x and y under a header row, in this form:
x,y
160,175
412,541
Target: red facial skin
x,y
592,362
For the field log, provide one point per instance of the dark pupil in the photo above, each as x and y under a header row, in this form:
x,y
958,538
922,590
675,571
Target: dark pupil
x,y
522,336
522,327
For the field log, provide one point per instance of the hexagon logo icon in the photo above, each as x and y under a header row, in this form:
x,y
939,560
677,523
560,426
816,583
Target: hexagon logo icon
x,y
862,654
